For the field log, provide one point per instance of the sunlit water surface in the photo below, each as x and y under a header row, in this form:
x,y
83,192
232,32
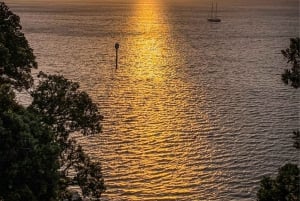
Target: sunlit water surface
x,y
195,111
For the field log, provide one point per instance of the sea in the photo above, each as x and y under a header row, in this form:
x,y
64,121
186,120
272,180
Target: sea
x,y
195,111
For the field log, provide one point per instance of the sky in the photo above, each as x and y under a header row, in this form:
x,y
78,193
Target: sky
x,y
205,3
176,1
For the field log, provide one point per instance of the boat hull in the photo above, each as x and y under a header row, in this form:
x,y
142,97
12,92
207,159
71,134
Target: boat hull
x,y
214,20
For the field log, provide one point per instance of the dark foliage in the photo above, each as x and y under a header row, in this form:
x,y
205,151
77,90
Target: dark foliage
x,y
64,107
285,187
88,173
28,155
16,57
292,54
66,110
297,139
292,76
38,158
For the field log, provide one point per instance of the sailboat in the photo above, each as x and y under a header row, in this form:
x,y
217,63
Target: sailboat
x,y
213,14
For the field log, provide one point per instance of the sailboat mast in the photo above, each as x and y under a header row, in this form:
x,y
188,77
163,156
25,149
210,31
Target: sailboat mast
x,y
216,13
212,9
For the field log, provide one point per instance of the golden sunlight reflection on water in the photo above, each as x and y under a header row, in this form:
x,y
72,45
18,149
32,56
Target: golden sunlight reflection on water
x,y
148,150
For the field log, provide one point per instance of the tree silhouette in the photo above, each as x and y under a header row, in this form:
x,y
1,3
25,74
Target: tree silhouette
x,y
16,56
292,54
286,186
67,110
28,154
38,158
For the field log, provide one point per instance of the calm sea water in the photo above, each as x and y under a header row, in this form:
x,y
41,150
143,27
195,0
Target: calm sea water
x,y
196,110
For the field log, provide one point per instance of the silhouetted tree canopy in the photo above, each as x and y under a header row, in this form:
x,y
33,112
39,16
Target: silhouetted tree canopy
x,y
16,57
292,76
64,107
297,139
39,160
285,187
28,154
292,54
67,110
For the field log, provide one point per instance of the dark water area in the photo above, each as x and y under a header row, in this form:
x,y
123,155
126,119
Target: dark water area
x,y
196,110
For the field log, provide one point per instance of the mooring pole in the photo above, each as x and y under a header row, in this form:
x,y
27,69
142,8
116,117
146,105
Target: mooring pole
x,y
117,48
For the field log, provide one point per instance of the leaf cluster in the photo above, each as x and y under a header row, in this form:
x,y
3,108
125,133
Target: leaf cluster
x,y
66,109
285,187
296,138
292,54
28,155
16,56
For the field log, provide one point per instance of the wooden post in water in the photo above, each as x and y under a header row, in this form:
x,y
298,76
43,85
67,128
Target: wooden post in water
x,y
117,48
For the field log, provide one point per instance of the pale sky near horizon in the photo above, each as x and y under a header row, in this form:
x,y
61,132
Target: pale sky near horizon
x,y
223,3
183,1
